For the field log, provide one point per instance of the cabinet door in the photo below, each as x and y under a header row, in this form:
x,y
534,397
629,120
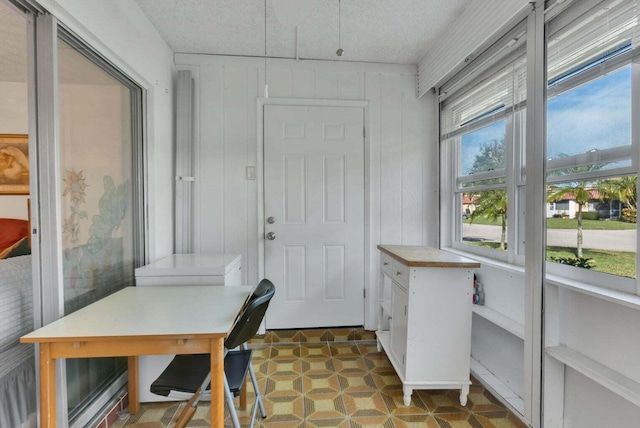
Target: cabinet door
x,y
398,323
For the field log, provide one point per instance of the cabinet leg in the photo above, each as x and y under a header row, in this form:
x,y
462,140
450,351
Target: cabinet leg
x,y
407,395
378,345
464,392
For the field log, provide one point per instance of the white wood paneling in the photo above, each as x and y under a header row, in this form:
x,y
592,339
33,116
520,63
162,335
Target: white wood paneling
x,y
478,25
225,206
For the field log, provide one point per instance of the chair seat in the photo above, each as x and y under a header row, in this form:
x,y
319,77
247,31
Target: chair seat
x,y
185,373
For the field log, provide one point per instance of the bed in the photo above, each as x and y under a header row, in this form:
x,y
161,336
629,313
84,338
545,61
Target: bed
x,y
17,362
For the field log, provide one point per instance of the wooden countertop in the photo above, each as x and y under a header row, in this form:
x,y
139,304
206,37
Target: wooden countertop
x,y
427,257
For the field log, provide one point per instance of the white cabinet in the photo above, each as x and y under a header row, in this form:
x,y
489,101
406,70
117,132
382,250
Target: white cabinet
x,y
192,269
217,269
425,317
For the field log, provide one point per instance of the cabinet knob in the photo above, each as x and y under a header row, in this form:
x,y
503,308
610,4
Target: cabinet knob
x,y
398,273
386,263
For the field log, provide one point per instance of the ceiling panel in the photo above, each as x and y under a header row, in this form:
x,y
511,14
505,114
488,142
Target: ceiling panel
x,y
399,31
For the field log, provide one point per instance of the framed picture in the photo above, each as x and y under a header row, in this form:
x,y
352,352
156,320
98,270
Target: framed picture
x,y
14,164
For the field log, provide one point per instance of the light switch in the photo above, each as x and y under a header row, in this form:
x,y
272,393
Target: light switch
x,y
251,173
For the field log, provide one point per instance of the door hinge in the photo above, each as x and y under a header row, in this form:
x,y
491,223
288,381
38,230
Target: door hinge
x,y
364,293
405,310
364,132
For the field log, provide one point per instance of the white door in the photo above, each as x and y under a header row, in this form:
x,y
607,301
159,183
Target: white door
x,y
314,211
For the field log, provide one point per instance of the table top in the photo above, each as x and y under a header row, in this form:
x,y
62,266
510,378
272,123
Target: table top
x,y
427,257
190,265
149,311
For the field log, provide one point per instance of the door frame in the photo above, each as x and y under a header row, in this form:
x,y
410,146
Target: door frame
x,y
369,301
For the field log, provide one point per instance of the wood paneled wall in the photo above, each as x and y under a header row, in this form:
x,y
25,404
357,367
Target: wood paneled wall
x,y
401,149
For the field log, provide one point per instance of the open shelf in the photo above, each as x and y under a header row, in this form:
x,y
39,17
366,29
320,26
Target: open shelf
x,y
610,379
512,326
498,388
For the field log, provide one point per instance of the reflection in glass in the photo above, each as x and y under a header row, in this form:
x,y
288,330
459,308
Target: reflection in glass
x,y
99,247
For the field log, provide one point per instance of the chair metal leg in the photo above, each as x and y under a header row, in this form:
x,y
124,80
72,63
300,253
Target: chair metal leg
x,y
231,405
256,388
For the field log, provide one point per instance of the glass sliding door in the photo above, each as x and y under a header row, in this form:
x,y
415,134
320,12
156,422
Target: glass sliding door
x,y
100,142
17,362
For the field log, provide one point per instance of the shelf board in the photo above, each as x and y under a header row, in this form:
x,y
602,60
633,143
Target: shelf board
x,y
610,379
614,296
498,388
502,321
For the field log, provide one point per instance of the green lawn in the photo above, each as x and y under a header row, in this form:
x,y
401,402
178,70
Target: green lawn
x,y
559,223
614,262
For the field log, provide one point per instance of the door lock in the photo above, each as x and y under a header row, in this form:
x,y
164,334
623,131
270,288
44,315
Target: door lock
x,y
271,236
271,220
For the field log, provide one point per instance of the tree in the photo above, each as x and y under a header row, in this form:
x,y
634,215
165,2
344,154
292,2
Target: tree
x,y
623,189
581,195
576,189
490,157
490,204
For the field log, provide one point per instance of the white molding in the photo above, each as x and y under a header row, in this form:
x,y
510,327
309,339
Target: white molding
x,y
337,66
615,382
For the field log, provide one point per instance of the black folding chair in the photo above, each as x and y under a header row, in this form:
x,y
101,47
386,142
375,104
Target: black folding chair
x,y
189,376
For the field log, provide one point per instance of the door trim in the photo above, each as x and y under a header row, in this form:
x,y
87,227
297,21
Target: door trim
x,y
308,102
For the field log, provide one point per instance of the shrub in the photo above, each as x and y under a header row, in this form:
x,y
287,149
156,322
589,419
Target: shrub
x,y
581,262
590,215
629,215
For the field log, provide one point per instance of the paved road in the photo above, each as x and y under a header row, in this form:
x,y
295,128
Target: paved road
x,y
617,240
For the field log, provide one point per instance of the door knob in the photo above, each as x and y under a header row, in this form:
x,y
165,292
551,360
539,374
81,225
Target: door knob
x,y
271,220
271,236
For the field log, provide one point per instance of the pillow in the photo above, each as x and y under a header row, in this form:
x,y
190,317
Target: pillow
x,y
20,248
12,230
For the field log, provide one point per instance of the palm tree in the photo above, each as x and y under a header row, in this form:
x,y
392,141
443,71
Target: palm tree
x,y
492,205
623,189
581,195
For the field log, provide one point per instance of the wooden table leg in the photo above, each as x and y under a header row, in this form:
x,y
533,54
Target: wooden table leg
x,y
217,382
134,393
243,395
48,417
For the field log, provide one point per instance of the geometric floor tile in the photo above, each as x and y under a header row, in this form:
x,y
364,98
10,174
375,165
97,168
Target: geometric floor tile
x,y
337,378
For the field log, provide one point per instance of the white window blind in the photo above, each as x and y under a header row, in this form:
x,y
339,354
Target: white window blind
x,y
592,37
497,93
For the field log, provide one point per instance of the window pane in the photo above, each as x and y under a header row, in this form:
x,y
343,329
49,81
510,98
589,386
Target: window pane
x,y
96,160
484,219
483,149
590,118
592,225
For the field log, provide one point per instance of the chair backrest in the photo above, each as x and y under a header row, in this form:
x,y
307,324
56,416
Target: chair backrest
x,y
251,317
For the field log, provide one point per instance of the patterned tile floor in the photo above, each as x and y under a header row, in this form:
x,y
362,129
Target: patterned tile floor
x,y
337,378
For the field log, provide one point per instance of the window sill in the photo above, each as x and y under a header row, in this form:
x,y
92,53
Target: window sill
x,y
487,260
614,296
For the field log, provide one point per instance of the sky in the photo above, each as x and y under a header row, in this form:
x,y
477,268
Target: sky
x,y
596,115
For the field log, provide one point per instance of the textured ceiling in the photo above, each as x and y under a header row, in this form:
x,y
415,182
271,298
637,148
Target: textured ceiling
x,y
13,45
389,31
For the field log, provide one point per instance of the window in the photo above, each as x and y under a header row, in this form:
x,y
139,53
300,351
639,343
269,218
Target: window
x,y
591,161
482,123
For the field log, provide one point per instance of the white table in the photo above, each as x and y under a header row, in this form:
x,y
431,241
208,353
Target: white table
x,y
141,321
